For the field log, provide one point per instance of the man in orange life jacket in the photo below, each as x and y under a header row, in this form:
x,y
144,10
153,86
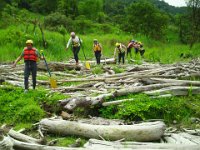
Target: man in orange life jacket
x,y
30,55
97,48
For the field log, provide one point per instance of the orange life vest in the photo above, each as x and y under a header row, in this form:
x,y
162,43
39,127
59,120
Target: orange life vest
x,y
30,54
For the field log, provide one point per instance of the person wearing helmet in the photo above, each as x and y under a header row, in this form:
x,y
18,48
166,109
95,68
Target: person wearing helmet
x,y
131,44
121,51
97,48
75,42
30,55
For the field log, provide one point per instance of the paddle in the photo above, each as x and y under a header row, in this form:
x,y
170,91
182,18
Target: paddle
x,y
53,82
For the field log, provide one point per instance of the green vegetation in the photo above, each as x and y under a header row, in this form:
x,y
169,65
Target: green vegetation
x,y
21,108
167,32
142,107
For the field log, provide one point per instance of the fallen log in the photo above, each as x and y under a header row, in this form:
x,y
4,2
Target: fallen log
x,y
175,91
71,103
24,138
105,61
31,146
182,82
93,143
150,131
58,66
132,90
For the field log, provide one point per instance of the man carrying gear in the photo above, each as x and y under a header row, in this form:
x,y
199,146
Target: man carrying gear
x,y
30,55
121,51
97,48
131,44
141,49
76,42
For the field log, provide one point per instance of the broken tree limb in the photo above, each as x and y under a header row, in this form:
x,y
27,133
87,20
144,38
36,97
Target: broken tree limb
x,y
138,132
117,102
138,89
24,138
175,91
71,103
182,82
31,146
93,143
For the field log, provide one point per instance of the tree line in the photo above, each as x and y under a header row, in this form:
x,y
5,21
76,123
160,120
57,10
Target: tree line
x,y
150,18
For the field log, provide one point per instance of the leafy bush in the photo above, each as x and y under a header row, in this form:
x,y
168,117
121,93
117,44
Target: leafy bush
x,y
55,20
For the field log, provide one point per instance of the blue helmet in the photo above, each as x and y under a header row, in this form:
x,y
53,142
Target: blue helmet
x,y
133,41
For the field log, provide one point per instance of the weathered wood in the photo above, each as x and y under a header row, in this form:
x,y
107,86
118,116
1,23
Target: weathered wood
x,y
117,102
175,90
31,146
105,61
71,103
138,132
93,143
131,90
58,66
24,138
182,82
6,144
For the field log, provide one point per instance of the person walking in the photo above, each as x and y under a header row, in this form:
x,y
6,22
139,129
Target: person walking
x,y
141,49
97,48
131,45
30,55
75,42
121,51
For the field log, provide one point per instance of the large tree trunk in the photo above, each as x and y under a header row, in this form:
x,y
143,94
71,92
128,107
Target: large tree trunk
x,y
150,131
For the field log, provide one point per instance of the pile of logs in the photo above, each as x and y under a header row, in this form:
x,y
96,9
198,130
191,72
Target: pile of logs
x,y
155,80
180,140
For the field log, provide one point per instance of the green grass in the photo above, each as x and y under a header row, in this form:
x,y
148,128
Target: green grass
x,y
24,108
142,107
66,141
12,41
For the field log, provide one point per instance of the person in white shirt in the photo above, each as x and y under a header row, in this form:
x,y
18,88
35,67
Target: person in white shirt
x,y
75,42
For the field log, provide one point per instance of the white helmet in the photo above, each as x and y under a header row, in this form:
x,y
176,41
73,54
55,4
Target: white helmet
x,y
72,34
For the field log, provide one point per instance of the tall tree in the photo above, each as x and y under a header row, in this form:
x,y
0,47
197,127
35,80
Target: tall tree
x,y
194,13
143,17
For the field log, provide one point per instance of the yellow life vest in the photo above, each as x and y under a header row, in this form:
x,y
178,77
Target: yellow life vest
x,y
120,49
97,47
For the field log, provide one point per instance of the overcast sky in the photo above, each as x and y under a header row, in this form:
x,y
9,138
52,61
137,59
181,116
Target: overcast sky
x,y
176,2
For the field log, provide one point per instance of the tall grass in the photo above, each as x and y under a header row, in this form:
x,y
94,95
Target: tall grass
x,y
13,38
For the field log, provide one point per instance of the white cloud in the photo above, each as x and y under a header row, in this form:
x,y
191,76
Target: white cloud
x,y
176,2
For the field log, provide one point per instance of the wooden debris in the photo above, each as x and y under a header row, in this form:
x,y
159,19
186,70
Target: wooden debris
x,y
138,132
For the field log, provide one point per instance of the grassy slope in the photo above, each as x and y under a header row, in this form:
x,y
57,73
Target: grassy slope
x,y
13,38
